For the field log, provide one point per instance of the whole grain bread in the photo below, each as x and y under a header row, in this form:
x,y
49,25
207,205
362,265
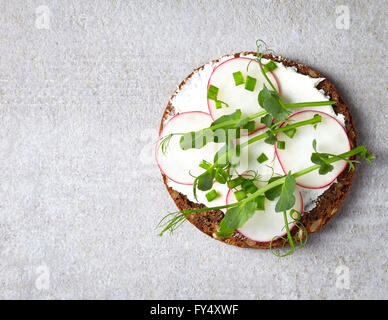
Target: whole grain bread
x,y
327,204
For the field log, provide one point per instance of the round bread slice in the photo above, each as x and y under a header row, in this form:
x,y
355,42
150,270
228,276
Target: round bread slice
x,y
327,203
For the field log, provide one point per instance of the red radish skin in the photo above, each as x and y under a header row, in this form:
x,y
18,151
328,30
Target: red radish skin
x,y
291,227
208,84
161,135
341,171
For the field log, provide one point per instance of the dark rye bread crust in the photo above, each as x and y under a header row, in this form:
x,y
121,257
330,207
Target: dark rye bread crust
x,y
327,204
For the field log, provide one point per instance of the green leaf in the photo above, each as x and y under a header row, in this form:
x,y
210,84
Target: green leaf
x,y
290,133
273,193
263,94
224,231
267,120
232,217
272,105
205,181
237,216
242,123
250,126
287,199
315,145
233,116
270,101
367,156
271,138
325,168
321,159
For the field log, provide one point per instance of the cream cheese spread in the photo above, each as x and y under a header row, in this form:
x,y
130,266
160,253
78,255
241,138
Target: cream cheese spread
x,y
295,87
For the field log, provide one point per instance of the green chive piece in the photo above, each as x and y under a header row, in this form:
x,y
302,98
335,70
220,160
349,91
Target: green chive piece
x,y
212,93
250,84
248,186
235,182
238,78
262,158
281,145
218,104
260,203
211,195
240,194
270,66
290,133
252,189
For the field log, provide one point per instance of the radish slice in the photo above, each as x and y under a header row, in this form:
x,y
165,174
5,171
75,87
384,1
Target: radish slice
x,y
331,138
237,97
265,225
250,153
177,164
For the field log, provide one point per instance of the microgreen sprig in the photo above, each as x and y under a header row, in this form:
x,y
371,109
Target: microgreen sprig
x,y
227,157
231,121
281,189
321,159
239,212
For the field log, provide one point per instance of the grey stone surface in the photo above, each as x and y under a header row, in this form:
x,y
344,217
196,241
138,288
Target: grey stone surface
x,y
80,104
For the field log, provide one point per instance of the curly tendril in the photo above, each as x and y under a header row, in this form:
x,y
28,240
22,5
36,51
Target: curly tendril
x,y
296,241
262,48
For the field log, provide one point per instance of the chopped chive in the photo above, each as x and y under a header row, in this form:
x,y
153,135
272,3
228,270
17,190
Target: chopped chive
x,y
205,165
262,158
290,133
238,78
270,66
221,175
211,195
260,203
281,145
250,84
240,194
250,126
246,184
212,93
252,189
235,182
220,104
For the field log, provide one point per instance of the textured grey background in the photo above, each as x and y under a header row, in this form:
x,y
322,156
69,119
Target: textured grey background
x,y
80,104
